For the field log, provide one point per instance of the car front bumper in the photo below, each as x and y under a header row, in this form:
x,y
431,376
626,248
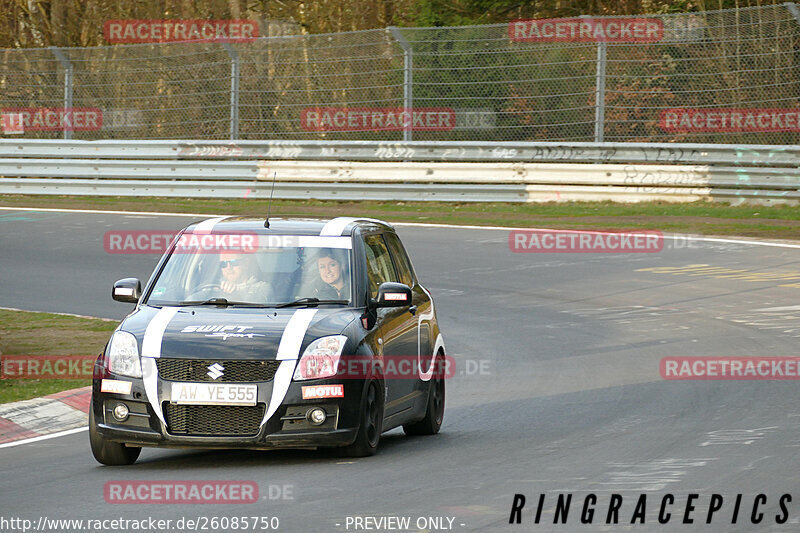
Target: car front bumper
x,y
287,427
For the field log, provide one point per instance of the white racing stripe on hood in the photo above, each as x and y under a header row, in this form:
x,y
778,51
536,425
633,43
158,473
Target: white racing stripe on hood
x,y
151,344
293,334
288,352
151,350
207,225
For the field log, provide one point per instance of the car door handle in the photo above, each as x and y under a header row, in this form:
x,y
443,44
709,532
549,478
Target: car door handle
x,y
413,309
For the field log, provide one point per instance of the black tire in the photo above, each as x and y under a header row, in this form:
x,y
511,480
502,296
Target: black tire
x,y
434,413
370,426
106,452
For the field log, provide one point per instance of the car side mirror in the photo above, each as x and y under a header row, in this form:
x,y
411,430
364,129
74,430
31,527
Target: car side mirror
x,y
127,290
392,294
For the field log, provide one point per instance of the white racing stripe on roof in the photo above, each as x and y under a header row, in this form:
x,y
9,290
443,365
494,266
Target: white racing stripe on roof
x,y
207,225
288,352
336,226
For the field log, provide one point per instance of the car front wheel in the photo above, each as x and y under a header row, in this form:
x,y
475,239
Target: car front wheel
x,y
107,452
369,431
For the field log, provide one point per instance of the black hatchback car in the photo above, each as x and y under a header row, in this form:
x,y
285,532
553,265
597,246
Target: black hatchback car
x,y
291,333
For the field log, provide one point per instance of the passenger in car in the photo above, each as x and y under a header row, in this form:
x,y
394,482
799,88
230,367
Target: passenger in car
x,y
335,280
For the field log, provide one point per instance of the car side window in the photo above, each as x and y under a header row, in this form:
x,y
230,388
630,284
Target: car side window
x,y
379,264
400,259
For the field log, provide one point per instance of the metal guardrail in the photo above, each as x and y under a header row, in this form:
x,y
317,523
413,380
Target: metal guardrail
x,y
574,152
358,170
385,173
436,192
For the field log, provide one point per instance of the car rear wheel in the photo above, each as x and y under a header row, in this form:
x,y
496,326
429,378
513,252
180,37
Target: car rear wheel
x,y
434,414
107,452
369,431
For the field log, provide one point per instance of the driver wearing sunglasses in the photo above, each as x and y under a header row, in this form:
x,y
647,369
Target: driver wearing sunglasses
x,y
239,281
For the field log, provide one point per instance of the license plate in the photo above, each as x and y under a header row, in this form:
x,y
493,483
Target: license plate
x,y
213,394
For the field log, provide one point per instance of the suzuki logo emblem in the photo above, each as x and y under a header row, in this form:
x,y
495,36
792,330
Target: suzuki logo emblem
x,y
215,371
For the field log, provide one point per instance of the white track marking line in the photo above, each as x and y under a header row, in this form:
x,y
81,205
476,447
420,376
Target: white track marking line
x,y
43,437
424,225
108,212
62,314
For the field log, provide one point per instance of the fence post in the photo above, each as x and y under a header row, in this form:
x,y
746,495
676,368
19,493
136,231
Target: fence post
x,y
408,80
794,10
600,93
234,118
65,63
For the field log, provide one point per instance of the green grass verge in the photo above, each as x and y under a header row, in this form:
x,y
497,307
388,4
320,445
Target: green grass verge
x,y
782,222
38,334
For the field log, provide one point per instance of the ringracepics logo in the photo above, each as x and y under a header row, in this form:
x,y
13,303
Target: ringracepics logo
x,y
570,241
651,508
730,368
160,31
377,119
180,492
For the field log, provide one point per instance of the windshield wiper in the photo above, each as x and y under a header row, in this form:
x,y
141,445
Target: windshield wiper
x,y
310,301
221,301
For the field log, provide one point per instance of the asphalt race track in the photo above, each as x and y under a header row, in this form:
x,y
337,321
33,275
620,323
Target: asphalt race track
x,y
557,390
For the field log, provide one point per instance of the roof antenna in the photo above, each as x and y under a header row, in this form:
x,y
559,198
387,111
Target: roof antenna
x,y
269,209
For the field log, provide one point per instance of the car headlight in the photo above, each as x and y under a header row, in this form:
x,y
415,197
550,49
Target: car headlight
x,y
321,358
123,355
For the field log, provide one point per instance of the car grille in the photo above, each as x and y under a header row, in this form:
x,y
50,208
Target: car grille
x,y
197,370
214,420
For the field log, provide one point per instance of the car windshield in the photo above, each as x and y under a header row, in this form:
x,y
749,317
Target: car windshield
x,y
262,271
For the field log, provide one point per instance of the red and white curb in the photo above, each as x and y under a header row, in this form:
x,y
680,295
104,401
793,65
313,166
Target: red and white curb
x,y
55,413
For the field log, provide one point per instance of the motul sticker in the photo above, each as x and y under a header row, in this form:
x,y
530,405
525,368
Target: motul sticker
x,y
323,391
397,296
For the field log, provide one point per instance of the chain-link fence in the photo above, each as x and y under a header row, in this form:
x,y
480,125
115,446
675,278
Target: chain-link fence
x,y
730,76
